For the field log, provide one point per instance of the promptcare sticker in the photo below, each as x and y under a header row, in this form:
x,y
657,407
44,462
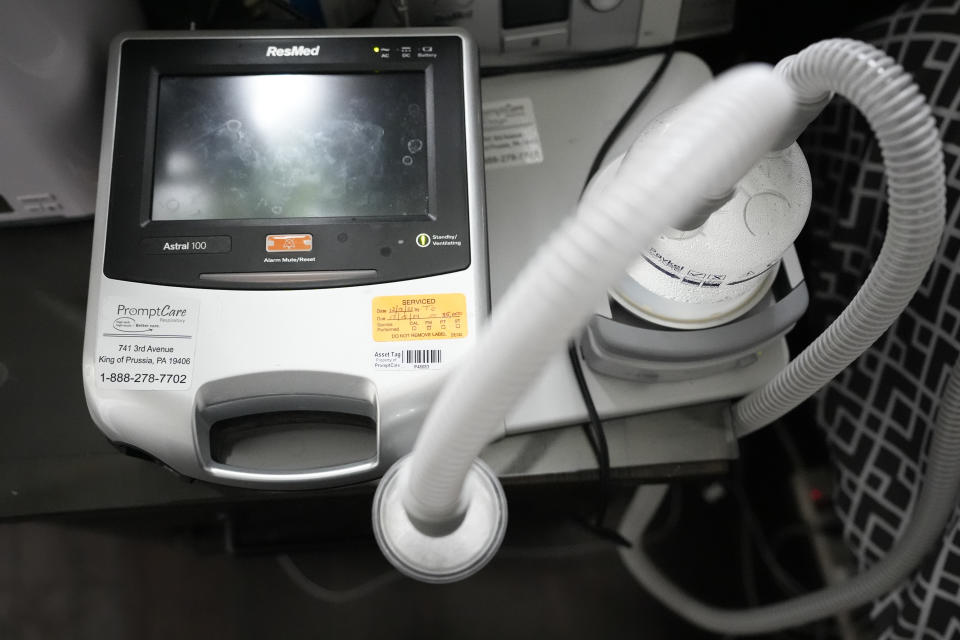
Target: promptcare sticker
x,y
510,135
146,343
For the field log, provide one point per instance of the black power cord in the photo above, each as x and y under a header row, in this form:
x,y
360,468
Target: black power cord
x,y
627,115
594,428
605,58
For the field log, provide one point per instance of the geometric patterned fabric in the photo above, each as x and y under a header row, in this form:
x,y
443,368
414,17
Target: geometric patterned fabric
x,y
879,413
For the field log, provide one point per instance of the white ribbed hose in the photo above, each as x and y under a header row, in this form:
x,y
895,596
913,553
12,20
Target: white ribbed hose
x,y
916,196
913,160
722,131
933,509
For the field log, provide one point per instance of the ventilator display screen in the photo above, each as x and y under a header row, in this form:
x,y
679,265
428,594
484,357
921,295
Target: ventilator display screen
x,y
291,146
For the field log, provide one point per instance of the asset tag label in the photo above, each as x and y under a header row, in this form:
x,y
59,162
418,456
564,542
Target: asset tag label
x,y
441,316
403,357
510,135
146,343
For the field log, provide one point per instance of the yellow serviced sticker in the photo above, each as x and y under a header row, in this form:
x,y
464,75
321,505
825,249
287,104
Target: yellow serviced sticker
x,y
440,316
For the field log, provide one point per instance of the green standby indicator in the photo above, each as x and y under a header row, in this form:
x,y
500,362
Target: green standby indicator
x,y
423,240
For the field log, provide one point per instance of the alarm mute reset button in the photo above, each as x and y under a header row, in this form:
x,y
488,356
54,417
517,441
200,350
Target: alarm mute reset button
x,y
289,242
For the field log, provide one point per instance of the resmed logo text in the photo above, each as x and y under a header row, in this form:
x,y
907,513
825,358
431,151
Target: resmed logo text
x,y
293,51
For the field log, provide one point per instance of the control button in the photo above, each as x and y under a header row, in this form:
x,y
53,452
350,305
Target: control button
x,y
747,360
37,197
291,277
604,5
543,39
289,242
183,246
38,202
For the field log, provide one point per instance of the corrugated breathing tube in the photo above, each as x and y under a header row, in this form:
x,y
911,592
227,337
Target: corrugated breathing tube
x,y
908,140
716,137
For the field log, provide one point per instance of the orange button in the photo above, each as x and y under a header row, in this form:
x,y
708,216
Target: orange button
x,y
290,242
